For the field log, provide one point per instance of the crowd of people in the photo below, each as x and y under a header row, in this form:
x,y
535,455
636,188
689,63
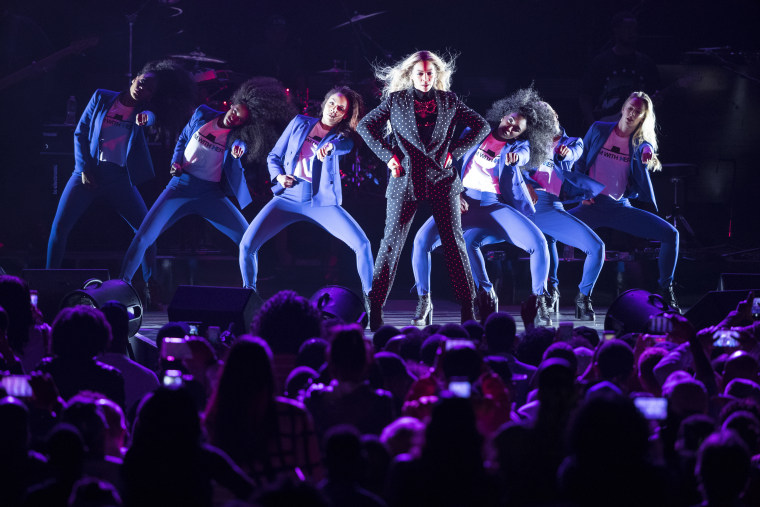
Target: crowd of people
x,y
307,411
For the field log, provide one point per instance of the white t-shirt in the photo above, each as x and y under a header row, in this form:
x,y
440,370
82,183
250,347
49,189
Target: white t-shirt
x,y
303,168
481,173
204,153
612,165
114,133
546,177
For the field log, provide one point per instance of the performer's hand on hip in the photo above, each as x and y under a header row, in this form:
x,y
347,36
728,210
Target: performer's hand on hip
x,y
286,180
532,193
88,180
463,204
395,166
324,151
176,169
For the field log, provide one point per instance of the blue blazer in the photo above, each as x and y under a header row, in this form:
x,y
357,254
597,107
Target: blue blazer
x,y
575,186
87,140
326,183
511,181
233,176
639,183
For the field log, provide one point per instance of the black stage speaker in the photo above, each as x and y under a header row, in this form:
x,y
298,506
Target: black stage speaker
x,y
714,306
96,293
630,312
53,284
739,281
336,301
215,306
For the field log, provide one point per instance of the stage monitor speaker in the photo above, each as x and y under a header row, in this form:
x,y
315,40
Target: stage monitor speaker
x,y
53,284
630,311
145,350
714,306
215,306
96,293
739,281
336,301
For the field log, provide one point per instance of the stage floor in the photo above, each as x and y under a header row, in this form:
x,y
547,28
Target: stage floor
x,y
398,312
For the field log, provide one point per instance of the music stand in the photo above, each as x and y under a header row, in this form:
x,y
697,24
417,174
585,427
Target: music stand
x,y
677,173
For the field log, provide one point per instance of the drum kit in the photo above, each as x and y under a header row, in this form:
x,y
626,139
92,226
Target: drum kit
x,y
216,83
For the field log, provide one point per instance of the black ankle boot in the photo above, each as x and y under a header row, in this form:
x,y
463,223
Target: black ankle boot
x,y
423,315
669,295
552,298
468,311
583,308
375,317
542,312
375,313
487,303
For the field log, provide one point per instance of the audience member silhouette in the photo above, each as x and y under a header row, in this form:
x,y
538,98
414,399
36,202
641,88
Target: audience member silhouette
x,y
267,435
348,398
167,464
80,333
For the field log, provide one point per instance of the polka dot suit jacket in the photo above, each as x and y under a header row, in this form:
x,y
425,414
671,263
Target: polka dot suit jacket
x,y
423,165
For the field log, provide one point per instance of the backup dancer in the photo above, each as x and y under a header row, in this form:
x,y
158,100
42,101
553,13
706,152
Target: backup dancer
x,y
207,171
554,180
111,155
620,155
305,165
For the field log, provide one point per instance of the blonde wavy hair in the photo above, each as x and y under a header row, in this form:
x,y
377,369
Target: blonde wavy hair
x,y
399,76
647,129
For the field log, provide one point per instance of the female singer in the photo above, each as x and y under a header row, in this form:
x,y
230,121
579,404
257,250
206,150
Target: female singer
x,y
422,114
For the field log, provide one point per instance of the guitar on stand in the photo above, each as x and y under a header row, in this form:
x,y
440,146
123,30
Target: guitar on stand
x,y
46,64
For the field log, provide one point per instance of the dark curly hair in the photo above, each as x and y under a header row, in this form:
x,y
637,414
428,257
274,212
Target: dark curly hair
x,y
80,332
540,121
286,320
347,126
270,111
175,96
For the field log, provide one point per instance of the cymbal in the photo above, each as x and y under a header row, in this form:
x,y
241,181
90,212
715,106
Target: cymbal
x,y
335,70
358,17
198,56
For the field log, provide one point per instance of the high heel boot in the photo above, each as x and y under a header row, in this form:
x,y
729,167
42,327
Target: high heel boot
x,y
552,298
583,308
423,315
542,312
487,302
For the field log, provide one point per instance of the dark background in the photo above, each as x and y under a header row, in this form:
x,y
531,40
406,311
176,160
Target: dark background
x,y
712,122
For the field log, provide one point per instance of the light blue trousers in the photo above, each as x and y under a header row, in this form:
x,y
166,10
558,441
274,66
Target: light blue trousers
x,y
620,215
115,189
487,221
185,195
554,221
294,205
